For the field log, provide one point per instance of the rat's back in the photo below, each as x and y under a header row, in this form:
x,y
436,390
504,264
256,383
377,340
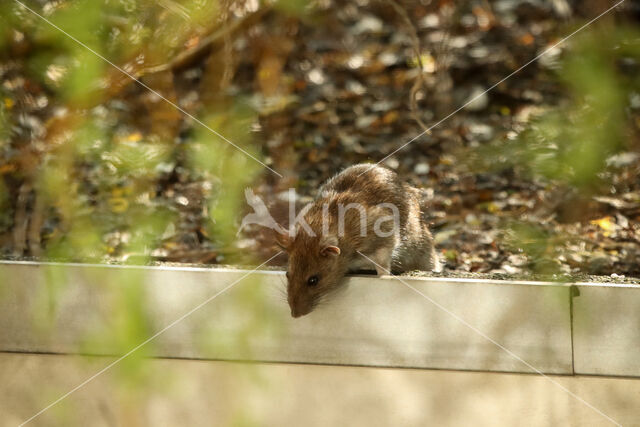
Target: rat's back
x,y
373,184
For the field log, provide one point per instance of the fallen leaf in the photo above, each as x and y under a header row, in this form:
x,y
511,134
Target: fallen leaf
x,y
527,39
604,223
118,204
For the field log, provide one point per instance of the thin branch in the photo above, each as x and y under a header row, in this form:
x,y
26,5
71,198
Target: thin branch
x,y
188,56
417,51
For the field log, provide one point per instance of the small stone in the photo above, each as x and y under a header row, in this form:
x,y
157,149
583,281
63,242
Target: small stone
x,y
368,24
421,168
392,163
316,76
477,100
481,131
365,121
510,269
355,87
430,21
623,159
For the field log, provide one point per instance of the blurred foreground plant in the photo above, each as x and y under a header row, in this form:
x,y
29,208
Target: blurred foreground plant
x,y
90,161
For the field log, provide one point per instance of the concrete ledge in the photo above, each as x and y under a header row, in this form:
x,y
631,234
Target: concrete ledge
x,y
74,308
606,330
202,394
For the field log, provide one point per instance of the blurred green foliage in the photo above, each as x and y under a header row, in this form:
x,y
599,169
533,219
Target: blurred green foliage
x,y
85,147
570,143
96,170
231,172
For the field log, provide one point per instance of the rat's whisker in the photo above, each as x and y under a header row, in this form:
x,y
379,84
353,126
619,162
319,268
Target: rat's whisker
x,y
281,293
278,291
323,299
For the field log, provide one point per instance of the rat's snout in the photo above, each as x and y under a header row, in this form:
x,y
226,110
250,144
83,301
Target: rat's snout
x,y
298,313
299,308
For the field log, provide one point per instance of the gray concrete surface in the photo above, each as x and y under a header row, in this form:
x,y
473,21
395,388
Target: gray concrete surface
x,y
205,393
374,321
606,330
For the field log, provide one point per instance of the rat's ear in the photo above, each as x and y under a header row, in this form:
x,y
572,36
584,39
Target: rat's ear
x,y
283,240
329,247
330,251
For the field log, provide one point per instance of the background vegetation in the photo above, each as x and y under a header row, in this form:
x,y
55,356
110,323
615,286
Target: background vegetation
x,y
111,115
539,174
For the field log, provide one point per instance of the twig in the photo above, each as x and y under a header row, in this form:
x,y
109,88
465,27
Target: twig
x,y
417,50
443,55
35,226
186,57
227,75
175,7
20,220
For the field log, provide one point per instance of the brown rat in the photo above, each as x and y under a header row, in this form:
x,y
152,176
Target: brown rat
x,y
363,210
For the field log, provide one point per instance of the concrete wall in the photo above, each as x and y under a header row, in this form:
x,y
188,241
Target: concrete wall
x,y
419,323
204,393
233,315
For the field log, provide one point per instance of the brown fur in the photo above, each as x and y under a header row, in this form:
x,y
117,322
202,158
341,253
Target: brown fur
x,y
331,255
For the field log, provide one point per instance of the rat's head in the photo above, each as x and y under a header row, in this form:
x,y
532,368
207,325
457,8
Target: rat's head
x,y
315,269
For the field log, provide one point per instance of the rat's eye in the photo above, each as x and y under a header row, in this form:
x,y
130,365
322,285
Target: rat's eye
x,y
312,281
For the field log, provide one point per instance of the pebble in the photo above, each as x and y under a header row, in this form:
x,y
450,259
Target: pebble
x,y
477,100
421,168
392,163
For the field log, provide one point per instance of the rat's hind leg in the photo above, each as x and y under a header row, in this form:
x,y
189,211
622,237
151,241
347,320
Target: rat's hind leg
x,y
382,260
425,257
416,253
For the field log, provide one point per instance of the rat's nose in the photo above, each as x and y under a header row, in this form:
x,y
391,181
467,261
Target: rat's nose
x,y
298,312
